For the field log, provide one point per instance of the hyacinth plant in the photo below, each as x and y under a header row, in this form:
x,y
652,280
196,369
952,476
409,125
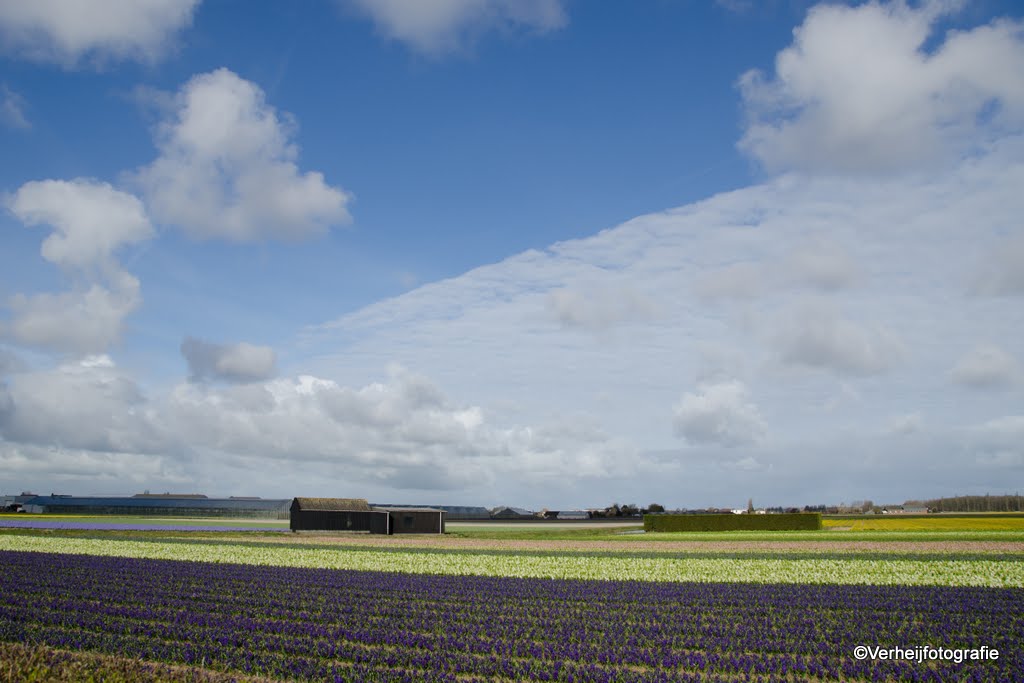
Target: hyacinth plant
x,y
951,571
329,625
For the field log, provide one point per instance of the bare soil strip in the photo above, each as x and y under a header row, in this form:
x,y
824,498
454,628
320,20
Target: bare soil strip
x,y
838,547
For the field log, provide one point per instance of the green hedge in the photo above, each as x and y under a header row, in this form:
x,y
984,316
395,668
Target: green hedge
x,y
798,521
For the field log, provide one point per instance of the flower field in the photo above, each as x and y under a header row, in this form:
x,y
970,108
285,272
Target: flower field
x,y
328,625
947,570
211,606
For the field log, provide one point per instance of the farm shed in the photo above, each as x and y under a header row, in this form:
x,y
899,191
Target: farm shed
x,y
336,514
355,514
415,520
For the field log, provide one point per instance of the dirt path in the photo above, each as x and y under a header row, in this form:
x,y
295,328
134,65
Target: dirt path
x,y
636,545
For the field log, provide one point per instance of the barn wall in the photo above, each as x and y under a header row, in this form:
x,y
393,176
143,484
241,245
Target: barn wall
x,y
339,520
417,522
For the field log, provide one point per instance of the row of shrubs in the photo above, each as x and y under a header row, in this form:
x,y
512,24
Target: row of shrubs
x,y
798,521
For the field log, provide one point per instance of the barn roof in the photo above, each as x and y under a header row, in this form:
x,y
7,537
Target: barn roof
x,y
329,504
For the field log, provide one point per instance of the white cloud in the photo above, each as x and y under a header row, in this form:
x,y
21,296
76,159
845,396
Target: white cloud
x,y
904,425
1002,273
999,443
520,408
1005,429
598,307
987,366
239,362
82,405
821,264
404,433
737,281
80,321
68,31
442,26
815,336
719,413
9,362
90,220
816,263
12,109
227,168
857,91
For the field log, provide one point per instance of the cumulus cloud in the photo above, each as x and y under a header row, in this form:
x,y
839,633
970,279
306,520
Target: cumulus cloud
x,y
400,433
239,362
815,336
227,168
90,221
67,31
404,432
87,404
82,322
12,109
858,91
449,25
720,414
987,366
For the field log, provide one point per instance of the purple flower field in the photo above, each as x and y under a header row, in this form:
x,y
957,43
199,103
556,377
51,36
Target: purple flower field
x,y
332,625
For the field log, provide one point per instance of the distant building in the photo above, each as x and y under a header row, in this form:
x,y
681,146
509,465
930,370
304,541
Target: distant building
x,y
572,514
193,496
163,505
511,513
906,510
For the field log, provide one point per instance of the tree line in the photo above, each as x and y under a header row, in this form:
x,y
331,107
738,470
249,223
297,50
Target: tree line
x,y
987,503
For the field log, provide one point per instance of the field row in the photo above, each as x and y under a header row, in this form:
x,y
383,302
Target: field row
x,y
998,572
316,624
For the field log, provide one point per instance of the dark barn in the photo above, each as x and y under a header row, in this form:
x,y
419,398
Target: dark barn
x,y
336,514
355,514
415,520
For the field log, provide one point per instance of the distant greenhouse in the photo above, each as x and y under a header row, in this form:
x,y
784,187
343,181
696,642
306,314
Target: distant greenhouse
x,y
161,506
508,512
452,512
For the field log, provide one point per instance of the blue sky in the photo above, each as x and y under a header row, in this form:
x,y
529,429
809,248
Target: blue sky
x,y
543,253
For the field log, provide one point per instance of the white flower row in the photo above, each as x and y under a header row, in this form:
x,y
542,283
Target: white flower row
x,y
951,572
